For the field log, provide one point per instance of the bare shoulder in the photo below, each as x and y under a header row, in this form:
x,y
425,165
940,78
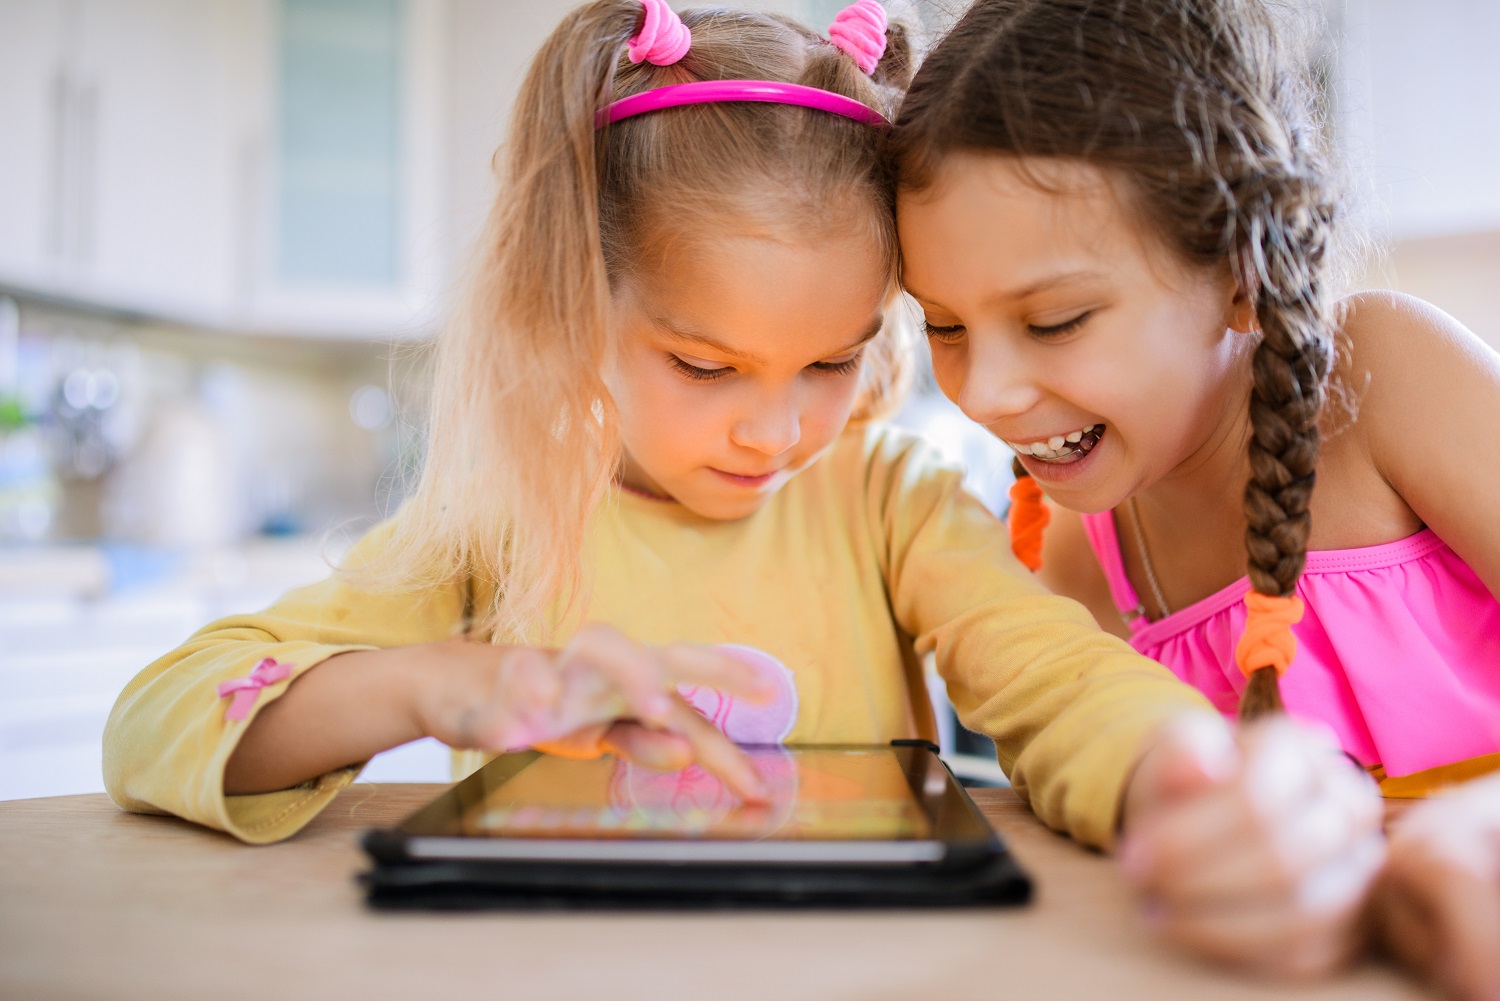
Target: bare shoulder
x,y
1070,568
1403,361
1423,385
1391,339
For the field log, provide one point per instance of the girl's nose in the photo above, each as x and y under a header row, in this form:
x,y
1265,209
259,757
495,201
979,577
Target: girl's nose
x,y
774,426
995,383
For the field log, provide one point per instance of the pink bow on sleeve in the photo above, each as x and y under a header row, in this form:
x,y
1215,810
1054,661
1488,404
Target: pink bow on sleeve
x,y
246,690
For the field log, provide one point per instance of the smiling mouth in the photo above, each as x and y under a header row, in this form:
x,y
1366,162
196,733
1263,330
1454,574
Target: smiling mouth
x,y
1061,448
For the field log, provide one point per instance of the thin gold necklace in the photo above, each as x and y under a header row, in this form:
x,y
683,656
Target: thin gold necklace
x,y
1140,542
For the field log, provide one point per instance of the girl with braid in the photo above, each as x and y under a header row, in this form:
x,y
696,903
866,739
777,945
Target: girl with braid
x,y
1120,222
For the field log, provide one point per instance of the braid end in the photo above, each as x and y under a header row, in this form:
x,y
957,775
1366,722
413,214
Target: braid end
x,y
1262,695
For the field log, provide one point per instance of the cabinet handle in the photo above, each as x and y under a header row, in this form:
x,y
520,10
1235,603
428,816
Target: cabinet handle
x,y
55,227
86,177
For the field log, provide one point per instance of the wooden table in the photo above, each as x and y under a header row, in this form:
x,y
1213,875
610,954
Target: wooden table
x,y
96,903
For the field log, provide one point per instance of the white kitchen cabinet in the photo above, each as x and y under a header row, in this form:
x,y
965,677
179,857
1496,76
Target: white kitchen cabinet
x,y
118,174
30,91
149,160
346,145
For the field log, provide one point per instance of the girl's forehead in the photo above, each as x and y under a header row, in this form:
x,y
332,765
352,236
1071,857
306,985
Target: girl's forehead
x,y
1059,189
1013,226
729,265
752,293
1007,213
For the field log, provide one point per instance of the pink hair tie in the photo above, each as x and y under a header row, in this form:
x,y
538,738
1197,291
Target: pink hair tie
x,y
247,690
663,38
859,30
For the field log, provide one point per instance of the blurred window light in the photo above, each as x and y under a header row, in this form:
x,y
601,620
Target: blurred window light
x,y
370,408
339,165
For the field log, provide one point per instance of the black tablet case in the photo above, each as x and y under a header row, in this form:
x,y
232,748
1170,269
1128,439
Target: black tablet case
x,y
397,881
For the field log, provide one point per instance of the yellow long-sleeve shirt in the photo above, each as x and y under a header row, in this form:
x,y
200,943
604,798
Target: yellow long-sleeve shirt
x,y
863,563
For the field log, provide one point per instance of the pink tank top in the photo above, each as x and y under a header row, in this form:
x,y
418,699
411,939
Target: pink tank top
x,y
1398,652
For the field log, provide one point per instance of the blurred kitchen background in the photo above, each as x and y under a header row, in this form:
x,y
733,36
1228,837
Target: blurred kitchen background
x,y
229,227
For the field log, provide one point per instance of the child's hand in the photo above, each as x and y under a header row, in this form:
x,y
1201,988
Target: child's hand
x,y
1256,849
1438,901
501,698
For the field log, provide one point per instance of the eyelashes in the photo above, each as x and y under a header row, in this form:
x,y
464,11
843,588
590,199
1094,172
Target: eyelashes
x,y
944,335
953,334
1058,329
848,366
695,373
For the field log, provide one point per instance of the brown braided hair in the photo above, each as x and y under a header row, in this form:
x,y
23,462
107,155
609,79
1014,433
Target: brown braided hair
x,y
1199,107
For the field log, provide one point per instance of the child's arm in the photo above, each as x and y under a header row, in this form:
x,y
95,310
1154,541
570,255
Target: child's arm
x,y
490,698
1428,398
1439,899
1069,707
1258,851
171,735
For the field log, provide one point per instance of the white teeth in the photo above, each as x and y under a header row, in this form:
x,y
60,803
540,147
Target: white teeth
x,y
1055,447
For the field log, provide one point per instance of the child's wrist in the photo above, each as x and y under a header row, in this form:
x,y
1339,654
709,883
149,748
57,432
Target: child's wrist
x,y
387,683
442,681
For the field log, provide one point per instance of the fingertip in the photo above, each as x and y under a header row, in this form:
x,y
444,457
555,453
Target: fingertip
x,y
1193,754
1211,745
658,707
1278,766
756,791
763,691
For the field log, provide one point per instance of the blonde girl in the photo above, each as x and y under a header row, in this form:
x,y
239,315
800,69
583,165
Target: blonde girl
x,y
653,434
1120,223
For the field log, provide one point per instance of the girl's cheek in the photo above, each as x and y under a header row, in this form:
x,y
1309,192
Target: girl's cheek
x,y
947,368
832,407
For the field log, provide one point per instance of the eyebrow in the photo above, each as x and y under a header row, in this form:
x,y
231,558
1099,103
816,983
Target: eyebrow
x,y
691,337
1026,291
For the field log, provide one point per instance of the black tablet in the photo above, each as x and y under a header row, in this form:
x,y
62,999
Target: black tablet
x,y
846,825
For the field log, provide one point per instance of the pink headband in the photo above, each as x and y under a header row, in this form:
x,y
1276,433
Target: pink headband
x,y
858,30
756,91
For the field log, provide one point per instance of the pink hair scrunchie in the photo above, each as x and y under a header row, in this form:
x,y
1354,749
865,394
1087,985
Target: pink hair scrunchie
x,y
859,30
663,38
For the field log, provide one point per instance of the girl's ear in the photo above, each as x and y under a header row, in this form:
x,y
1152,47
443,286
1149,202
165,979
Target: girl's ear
x,y
1242,316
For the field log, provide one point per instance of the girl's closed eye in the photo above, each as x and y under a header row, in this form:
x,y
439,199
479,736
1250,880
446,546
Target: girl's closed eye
x,y
699,370
1059,329
945,335
845,365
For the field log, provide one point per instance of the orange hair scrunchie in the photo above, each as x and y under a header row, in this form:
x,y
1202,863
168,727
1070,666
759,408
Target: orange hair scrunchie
x,y
1028,517
1268,639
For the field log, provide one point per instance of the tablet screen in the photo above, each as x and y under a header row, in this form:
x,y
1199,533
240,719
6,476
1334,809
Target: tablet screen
x,y
819,794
